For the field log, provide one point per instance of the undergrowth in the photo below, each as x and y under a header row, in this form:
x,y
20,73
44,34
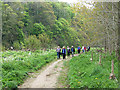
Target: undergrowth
x,y
84,73
17,68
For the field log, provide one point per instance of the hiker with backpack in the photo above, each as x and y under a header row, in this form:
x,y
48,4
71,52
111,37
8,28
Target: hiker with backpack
x,y
79,49
88,48
68,51
72,50
64,52
83,49
58,50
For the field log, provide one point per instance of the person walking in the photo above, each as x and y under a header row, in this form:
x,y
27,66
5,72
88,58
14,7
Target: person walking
x,y
68,51
82,49
79,49
72,50
58,50
64,52
88,48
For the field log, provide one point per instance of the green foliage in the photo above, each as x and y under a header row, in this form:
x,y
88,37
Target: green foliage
x,y
16,45
2,48
12,24
20,35
38,28
86,74
32,42
63,34
26,18
41,12
20,24
34,18
44,40
62,10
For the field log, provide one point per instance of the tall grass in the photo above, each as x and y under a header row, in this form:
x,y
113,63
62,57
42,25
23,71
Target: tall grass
x,y
15,70
84,73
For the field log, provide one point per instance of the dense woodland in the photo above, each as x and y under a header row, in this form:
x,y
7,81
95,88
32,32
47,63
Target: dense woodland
x,y
37,25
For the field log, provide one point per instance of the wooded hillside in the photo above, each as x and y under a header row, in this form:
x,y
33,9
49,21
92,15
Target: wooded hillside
x,y
37,25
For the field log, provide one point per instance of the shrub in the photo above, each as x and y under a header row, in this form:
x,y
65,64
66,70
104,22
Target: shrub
x,y
2,48
16,45
32,42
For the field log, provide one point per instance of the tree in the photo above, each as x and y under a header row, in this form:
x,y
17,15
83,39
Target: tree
x,y
62,10
44,40
41,12
63,34
32,43
12,26
38,28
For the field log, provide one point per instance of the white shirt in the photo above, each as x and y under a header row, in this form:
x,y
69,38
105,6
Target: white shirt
x,y
82,47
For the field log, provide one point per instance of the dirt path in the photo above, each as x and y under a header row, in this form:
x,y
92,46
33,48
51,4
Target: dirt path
x,y
47,78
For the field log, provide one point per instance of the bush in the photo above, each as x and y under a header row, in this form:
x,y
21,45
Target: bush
x,y
32,42
44,40
16,45
2,48
38,28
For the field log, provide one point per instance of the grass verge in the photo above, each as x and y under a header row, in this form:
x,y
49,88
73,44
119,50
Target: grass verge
x,y
14,71
84,73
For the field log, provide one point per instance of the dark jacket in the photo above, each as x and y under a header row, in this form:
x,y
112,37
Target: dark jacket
x,y
64,51
72,49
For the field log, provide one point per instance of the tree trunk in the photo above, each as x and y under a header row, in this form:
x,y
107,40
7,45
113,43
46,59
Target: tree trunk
x,y
110,49
112,76
100,60
116,49
105,46
119,45
118,32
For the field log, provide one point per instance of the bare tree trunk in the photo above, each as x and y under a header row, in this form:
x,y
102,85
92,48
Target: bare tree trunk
x,y
105,46
116,52
112,76
118,44
109,45
110,49
118,32
100,60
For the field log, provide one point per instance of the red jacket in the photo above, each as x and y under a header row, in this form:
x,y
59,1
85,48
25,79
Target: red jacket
x,y
84,48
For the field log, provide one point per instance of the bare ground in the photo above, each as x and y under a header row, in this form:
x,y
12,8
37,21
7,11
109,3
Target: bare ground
x,y
46,78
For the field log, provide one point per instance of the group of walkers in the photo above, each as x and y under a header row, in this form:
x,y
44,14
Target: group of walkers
x,y
84,49
70,51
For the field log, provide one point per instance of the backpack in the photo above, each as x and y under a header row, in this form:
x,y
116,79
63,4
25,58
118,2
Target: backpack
x,y
73,50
